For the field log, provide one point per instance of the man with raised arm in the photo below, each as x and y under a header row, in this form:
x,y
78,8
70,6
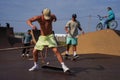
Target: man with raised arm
x,y
46,38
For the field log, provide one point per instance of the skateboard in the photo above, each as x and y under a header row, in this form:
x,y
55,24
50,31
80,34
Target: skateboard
x,y
52,68
70,57
55,69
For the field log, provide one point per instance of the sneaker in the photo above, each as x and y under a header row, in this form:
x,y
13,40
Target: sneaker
x,y
66,56
22,55
76,56
27,55
68,72
65,68
35,67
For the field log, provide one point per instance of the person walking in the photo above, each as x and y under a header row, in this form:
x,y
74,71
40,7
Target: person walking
x,y
45,21
71,29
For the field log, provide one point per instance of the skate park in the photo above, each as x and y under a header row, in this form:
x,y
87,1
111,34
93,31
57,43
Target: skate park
x,y
99,53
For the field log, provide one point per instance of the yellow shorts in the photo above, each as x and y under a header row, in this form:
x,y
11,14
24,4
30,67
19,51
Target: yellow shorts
x,y
45,41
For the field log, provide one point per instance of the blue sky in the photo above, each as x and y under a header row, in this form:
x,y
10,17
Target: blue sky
x,y
16,12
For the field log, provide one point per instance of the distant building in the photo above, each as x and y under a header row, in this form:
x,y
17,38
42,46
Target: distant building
x,y
60,37
6,31
6,36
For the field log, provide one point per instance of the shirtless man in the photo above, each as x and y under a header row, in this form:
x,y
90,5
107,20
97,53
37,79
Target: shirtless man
x,y
46,38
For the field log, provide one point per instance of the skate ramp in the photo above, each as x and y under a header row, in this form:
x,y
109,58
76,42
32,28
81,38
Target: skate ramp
x,y
104,41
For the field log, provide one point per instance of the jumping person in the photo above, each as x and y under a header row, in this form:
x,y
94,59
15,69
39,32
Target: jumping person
x,y
46,38
71,29
27,40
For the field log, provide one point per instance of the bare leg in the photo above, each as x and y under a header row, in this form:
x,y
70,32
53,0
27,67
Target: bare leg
x,y
67,50
74,48
35,55
60,59
57,53
68,46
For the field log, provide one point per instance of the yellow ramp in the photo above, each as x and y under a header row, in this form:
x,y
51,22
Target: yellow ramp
x,y
104,41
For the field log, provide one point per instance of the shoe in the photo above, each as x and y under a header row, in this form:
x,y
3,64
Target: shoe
x,y
27,55
76,56
68,72
22,55
35,67
65,68
66,56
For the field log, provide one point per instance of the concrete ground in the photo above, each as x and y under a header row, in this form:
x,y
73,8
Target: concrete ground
x,y
87,67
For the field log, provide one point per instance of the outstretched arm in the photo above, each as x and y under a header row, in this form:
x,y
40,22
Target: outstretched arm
x,y
29,22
